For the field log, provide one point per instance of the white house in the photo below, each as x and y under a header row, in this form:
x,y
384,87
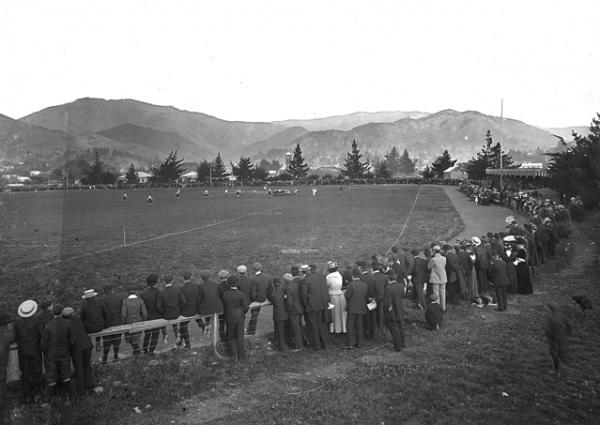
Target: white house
x,y
143,176
454,172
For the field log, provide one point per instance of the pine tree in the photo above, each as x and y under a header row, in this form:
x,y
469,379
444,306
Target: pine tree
x,y
381,171
243,170
204,171
169,170
577,170
219,171
392,161
489,157
442,163
297,168
94,175
353,167
407,165
131,175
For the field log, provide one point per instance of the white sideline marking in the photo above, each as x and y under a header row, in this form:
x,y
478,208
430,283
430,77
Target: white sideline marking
x,y
140,242
405,222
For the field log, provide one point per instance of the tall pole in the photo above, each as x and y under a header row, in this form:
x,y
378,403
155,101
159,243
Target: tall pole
x,y
501,119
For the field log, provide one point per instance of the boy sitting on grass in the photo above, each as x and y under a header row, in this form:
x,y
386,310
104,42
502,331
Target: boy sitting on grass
x,y
434,315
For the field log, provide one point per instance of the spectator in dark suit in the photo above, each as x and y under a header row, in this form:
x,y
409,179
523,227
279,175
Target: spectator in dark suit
x,y
245,282
312,299
170,301
57,339
190,290
94,314
28,334
133,310
81,353
393,306
456,283
209,297
150,298
357,298
325,317
370,317
420,276
380,281
113,302
7,336
236,306
276,295
295,308
223,287
260,285
498,277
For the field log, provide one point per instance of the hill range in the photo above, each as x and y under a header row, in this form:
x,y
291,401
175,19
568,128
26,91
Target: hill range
x,y
150,131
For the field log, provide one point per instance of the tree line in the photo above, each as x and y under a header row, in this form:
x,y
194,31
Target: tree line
x,y
575,171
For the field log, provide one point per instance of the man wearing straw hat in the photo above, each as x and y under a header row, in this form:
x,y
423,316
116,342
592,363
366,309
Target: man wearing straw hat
x,y
94,314
28,334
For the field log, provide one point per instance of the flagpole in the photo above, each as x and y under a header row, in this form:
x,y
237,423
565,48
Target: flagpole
x,y
501,119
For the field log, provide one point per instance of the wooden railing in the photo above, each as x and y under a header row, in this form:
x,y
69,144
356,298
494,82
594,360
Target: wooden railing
x,y
13,372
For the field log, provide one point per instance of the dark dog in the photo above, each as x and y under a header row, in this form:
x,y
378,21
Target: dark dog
x,y
584,303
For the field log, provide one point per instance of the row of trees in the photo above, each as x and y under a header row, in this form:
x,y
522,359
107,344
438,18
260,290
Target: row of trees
x,y
576,171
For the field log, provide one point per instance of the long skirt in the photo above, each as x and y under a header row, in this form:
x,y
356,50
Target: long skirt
x,y
473,292
524,285
338,324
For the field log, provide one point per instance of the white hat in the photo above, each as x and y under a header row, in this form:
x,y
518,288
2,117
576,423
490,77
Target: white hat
x,y
288,277
89,293
331,265
509,238
475,241
242,269
27,308
510,219
304,267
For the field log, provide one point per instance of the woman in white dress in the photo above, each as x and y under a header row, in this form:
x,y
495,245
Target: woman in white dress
x,y
336,297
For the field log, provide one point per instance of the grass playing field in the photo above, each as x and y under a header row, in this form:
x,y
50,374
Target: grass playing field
x,y
58,243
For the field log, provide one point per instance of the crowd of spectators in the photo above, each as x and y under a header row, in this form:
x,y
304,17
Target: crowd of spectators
x,y
358,300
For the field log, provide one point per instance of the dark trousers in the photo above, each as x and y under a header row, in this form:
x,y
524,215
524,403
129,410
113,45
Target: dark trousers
x,y
501,297
314,322
296,329
83,369
235,337
279,331
150,340
222,328
354,329
58,370
379,315
418,294
251,328
184,333
396,328
31,375
110,341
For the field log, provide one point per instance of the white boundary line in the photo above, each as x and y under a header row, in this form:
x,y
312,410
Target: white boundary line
x,y
406,222
140,242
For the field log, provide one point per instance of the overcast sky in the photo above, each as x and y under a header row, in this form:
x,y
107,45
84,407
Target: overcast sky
x,y
272,60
